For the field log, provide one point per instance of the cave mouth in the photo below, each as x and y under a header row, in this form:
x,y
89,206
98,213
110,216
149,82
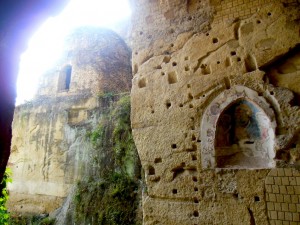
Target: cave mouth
x,y
244,137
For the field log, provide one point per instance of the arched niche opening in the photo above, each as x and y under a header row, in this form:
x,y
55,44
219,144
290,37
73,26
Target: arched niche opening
x,y
237,131
64,78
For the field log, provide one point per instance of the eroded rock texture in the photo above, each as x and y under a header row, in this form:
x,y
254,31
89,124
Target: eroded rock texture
x,y
213,113
18,22
50,146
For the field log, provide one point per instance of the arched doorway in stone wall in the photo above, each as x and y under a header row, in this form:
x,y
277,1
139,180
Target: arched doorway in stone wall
x,y
237,131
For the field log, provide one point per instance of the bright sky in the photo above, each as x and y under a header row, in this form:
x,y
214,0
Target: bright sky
x,y
45,45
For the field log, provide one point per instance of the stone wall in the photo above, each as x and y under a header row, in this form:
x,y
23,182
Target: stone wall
x,y
192,62
50,148
100,54
282,196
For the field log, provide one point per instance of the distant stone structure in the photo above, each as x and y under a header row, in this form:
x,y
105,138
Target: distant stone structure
x,y
49,147
215,110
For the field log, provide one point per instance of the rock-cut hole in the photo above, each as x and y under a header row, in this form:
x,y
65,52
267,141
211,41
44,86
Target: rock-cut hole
x,y
157,160
142,83
194,157
172,77
196,213
168,104
151,170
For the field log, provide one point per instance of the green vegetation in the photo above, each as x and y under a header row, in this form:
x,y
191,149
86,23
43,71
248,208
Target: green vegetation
x,y
111,201
106,95
4,215
109,195
31,220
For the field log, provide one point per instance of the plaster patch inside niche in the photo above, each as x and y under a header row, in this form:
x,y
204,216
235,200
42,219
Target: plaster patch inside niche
x,y
237,132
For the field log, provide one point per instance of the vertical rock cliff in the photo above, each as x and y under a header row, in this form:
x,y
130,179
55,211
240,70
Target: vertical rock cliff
x,y
55,144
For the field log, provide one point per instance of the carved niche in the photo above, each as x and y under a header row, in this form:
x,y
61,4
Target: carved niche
x,y
237,131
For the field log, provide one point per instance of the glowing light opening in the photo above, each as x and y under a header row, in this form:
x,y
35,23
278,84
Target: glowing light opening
x,y
44,48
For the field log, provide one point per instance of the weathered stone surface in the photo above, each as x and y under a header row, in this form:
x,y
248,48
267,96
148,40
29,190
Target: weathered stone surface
x,y
50,149
180,70
99,61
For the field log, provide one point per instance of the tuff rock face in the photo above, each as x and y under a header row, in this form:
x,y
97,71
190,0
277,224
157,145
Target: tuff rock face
x,y
215,112
50,149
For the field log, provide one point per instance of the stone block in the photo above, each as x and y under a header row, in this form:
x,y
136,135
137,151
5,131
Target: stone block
x,y
295,199
282,189
288,216
287,198
269,188
285,207
273,173
277,180
285,181
270,206
275,189
280,215
296,216
297,189
269,180
280,172
296,173
290,190
272,197
277,206
288,172
292,180
292,208
273,215
279,197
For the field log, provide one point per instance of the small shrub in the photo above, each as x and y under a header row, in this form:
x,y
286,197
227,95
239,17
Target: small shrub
x,y
47,221
4,215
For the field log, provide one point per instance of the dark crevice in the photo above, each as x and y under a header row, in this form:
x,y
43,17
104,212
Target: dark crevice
x,y
276,64
252,220
278,60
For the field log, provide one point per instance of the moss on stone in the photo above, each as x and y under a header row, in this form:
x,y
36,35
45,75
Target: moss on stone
x,y
110,195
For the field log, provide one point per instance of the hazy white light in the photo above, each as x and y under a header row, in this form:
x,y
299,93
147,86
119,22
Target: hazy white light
x,y
45,46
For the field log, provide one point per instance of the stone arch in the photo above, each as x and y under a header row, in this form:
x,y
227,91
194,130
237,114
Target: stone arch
x,y
237,131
